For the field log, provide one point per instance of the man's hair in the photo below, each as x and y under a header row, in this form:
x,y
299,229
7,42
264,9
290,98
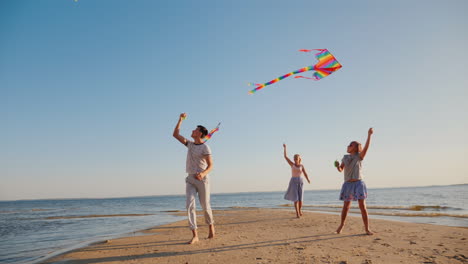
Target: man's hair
x,y
203,130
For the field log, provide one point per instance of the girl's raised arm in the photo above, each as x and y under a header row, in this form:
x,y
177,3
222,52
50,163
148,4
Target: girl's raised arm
x,y
286,156
364,151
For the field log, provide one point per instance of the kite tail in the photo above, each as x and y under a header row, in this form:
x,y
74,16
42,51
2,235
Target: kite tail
x,y
214,130
262,85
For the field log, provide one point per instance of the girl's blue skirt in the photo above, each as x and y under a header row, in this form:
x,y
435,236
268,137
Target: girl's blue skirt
x,y
295,190
353,191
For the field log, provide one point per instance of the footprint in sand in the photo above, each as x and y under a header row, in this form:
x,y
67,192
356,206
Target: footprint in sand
x,y
460,257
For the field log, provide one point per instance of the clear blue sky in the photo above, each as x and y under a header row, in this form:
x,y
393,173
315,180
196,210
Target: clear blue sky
x,y
91,92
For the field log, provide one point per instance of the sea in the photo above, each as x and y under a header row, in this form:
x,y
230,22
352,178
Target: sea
x,y
33,230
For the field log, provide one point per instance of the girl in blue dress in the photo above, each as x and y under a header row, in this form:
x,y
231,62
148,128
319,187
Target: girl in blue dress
x,y
354,188
295,192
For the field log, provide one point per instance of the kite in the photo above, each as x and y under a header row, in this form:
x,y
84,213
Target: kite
x,y
214,130
327,64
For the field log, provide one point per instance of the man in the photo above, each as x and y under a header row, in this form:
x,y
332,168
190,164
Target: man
x,y
199,164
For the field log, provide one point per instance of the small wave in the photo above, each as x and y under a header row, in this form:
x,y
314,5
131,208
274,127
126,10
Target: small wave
x,y
92,216
420,214
406,211
24,211
320,206
172,211
10,212
384,207
396,213
431,207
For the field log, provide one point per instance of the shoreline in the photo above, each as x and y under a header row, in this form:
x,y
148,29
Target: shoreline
x,y
255,235
354,211
95,240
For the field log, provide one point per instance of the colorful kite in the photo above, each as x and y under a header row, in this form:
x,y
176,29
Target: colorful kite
x,y
214,130
326,65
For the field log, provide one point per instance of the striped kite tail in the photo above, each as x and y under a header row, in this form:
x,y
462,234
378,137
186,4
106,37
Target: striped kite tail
x,y
261,86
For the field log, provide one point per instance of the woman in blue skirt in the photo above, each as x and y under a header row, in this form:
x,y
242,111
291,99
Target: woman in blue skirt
x,y
354,188
295,192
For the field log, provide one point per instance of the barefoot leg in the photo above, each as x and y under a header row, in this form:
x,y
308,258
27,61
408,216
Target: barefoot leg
x,y
194,238
344,213
212,232
296,206
300,207
365,218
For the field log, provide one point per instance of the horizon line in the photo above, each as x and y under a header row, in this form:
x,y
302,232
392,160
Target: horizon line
x,y
182,194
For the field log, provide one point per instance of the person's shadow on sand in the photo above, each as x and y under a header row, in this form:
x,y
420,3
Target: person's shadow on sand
x,y
270,243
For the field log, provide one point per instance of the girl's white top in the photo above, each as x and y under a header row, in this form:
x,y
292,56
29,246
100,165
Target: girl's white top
x,y
296,170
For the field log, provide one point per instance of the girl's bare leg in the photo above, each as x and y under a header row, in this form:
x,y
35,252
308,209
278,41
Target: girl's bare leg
x,y
365,218
344,213
300,207
296,206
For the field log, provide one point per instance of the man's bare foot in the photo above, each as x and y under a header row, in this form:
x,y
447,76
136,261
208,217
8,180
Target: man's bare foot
x,y
193,240
300,213
211,235
212,232
370,233
340,228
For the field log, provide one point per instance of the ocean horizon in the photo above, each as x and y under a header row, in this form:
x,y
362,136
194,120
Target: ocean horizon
x,y
213,193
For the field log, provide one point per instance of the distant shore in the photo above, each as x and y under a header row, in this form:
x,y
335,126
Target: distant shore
x,y
276,236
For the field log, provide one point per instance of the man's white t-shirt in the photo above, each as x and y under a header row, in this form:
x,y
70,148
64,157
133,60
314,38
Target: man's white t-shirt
x,y
196,157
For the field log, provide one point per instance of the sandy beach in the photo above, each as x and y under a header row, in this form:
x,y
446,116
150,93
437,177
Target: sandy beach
x,y
277,236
